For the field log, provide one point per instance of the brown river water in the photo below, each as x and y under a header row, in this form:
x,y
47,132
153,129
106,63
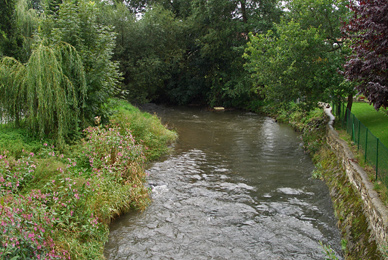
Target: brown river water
x,y
237,186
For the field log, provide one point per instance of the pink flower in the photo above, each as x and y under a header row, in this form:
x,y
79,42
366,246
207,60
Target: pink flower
x,y
45,144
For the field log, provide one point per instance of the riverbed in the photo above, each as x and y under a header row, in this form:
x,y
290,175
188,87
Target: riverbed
x,y
237,186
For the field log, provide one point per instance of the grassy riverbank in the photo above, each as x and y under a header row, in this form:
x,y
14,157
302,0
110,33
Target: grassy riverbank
x,y
58,204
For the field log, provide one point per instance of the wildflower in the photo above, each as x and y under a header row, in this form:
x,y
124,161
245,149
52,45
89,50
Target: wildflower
x,y
45,144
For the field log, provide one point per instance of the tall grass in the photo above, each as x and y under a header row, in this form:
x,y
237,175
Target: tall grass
x,y
146,127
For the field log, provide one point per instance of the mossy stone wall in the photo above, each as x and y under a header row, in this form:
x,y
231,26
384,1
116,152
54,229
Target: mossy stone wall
x,y
374,210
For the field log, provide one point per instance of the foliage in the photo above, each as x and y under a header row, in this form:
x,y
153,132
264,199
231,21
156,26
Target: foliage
x,y
288,66
8,42
330,253
46,93
299,58
312,125
186,52
76,204
367,66
16,140
27,21
148,50
58,206
77,24
147,128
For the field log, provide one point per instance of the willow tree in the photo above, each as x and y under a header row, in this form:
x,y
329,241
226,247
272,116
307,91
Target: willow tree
x,y
46,93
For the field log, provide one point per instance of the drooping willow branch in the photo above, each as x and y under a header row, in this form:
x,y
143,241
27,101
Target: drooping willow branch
x,y
45,94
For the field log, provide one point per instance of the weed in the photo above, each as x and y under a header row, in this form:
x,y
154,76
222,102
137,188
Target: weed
x,y
329,252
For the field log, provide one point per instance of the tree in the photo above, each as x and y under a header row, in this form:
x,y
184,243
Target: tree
x,y
288,65
46,93
299,58
148,49
189,51
77,23
368,65
213,71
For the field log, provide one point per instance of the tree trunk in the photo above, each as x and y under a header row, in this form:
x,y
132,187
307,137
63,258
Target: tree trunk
x,y
244,12
349,105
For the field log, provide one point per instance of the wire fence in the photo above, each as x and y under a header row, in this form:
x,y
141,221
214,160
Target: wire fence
x,y
375,153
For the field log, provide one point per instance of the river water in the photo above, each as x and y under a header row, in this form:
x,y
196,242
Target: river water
x,y
237,186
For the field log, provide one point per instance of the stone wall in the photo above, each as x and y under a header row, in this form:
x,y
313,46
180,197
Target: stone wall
x,y
375,211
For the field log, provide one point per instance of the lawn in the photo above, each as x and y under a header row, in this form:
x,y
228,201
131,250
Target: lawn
x,y
375,121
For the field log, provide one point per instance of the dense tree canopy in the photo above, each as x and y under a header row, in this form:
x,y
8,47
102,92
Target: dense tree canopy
x,y
299,58
368,65
181,52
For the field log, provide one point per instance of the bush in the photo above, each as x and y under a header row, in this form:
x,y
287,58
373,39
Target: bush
x,y
147,128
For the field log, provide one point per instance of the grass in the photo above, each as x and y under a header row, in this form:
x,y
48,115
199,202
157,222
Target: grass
x,y
146,127
375,121
57,204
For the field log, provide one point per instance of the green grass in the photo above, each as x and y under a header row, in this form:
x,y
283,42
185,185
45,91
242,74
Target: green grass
x,y
147,129
375,121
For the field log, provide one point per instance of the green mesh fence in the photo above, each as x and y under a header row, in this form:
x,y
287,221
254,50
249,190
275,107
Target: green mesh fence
x,y
375,153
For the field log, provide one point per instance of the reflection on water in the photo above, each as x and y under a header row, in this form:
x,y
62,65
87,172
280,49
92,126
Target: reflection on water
x,y
238,186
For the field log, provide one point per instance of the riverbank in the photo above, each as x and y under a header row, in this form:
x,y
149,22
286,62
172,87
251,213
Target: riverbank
x,y
357,240
58,204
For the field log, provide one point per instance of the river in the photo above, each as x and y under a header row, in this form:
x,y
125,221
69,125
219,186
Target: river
x,y
237,186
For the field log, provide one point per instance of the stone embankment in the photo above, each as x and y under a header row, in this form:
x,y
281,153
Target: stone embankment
x,y
375,211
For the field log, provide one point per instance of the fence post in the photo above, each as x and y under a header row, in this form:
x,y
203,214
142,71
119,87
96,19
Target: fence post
x,y
377,157
353,137
366,143
359,131
343,111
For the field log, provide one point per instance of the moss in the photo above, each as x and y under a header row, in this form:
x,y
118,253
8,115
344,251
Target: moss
x,y
359,243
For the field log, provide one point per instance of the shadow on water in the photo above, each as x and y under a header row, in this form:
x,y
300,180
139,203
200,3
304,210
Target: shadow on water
x,y
237,186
